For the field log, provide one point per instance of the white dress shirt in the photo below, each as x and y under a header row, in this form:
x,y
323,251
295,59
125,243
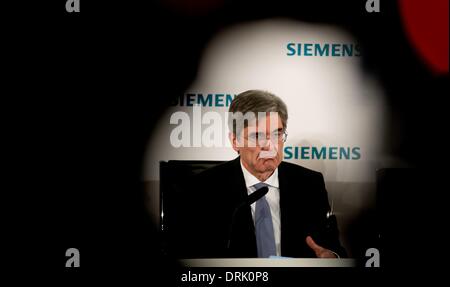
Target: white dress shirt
x,y
272,197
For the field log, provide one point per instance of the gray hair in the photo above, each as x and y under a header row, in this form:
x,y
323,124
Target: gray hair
x,y
256,101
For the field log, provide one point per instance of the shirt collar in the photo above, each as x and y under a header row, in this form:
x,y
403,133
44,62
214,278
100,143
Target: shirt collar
x,y
251,180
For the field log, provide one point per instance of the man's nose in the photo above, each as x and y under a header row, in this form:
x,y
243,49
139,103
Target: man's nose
x,y
266,144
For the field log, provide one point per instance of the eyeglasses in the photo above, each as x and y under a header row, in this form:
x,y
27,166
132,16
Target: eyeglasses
x,y
260,138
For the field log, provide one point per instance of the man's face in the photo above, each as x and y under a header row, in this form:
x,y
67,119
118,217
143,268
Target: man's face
x,y
260,144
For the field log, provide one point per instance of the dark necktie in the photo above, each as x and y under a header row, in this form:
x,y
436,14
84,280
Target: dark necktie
x,y
265,238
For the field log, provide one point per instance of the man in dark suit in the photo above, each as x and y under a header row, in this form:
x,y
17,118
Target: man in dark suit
x,y
292,217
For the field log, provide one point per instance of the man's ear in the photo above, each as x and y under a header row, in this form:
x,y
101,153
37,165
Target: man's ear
x,y
234,141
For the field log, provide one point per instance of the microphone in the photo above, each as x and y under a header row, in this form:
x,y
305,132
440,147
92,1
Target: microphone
x,y
249,200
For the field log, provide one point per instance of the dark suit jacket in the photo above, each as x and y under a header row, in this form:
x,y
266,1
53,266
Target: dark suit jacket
x,y
204,226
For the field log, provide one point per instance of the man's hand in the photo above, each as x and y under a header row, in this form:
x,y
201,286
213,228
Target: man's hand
x,y
319,250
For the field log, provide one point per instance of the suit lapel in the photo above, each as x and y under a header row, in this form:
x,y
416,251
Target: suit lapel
x,y
243,242
238,183
293,205
283,183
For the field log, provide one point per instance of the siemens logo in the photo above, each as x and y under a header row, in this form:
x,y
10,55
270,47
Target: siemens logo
x,y
204,100
323,50
331,153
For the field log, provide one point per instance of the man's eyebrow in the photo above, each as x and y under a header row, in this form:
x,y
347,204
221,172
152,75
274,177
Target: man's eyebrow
x,y
259,132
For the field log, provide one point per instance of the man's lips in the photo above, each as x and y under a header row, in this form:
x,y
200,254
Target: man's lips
x,y
266,159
